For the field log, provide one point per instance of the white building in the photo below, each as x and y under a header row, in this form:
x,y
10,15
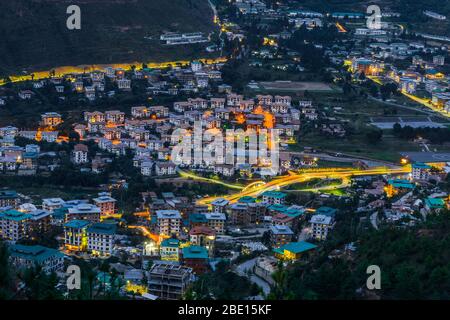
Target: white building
x,y
168,222
80,154
101,238
320,225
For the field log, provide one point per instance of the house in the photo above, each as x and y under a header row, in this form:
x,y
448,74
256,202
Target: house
x,y
320,226
169,250
23,256
169,281
51,119
280,235
101,238
293,250
75,235
165,168
203,236
80,154
226,170
168,222
195,257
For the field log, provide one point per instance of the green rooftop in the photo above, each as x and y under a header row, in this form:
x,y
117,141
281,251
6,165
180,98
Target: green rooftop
x,y
14,215
102,228
77,224
435,203
195,252
35,253
295,247
274,194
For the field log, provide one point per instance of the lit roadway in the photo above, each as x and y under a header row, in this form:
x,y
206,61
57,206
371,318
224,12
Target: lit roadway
x,y
422,101
293,178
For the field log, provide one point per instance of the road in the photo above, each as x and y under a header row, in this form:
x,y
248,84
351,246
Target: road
x,y
293,178
242,269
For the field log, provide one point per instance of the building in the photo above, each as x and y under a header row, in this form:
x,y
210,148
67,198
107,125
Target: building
x,y
169,281
50,260
9,198
273,197
439,60
293,250
434,204
84,211
52,204
168,222
195,257
169,250
420,171
101,237
320,225
216,221
203,236
219,205
51,119
280,235
75,235
80,154
106,203
14,225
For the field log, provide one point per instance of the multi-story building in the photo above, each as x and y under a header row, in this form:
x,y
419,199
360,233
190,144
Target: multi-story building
x,y
39,222
106,203
51,119
75,235
169,281
420,171
204,237
168,222
50,260
321,225
219,205
273,197
216,221
101,237
80,154
83,211
169,250
195,257
9,198
280,235
52,204
14,225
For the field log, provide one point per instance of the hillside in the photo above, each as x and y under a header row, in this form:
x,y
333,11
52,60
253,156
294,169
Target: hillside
x,y
34,35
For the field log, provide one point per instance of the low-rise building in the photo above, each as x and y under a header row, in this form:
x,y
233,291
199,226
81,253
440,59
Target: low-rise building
x,y
50,260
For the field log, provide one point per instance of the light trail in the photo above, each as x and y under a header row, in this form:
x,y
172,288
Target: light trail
x,y
285,181
185,174
422,101
158,238
67,70
340,27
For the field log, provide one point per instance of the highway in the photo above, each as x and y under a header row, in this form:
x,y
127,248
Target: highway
x,y
293,178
